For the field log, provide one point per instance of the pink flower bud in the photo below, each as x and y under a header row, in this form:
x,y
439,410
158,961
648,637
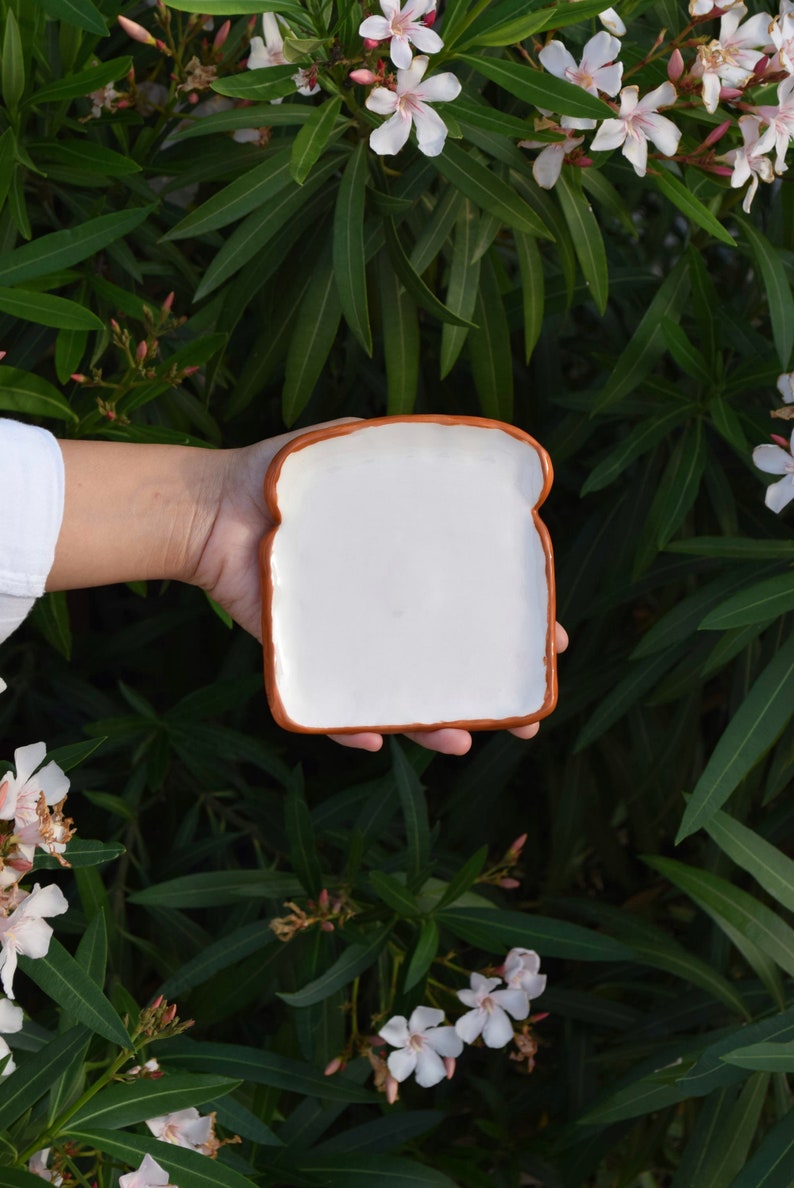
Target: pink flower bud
x,y
781,441
169,1014
430,18
158,1002
580,162
370,43
730,93
194,367
364,77
518,844
449,1065
392,1089
77,377
333,1066
759,70
675,67
168,303
323,901
327,926
221,35
141,350
717,133
136,31
193,98
509,884
163,48
115,327
3,354
539,1017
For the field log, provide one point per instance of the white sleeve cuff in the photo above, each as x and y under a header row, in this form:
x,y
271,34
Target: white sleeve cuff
x,y
31,510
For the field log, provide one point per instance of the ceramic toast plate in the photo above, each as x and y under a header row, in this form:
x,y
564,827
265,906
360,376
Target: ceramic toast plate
x,y
408,582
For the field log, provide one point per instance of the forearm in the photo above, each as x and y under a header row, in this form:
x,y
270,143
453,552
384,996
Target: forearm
x,y
133,512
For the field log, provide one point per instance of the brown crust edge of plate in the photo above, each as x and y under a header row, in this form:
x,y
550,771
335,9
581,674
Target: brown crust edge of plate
x,y
311,437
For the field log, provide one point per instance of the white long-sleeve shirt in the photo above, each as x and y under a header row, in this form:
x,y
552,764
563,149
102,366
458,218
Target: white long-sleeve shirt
x,y
31,510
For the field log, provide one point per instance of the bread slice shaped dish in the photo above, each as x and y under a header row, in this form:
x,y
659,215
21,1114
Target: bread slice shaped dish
x,y
408,580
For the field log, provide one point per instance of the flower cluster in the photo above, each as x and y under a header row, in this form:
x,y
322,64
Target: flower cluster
x,y
428,1050
779,458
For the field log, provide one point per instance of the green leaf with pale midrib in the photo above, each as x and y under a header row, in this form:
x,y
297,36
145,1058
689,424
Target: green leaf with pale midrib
x,y
123,1105
764,600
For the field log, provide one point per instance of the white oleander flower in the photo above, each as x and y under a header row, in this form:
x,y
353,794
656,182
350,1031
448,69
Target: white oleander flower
x,y
597,71
409,103
422,1046
186,1128
270,52
749,162
547,166
612,22
24,930
148,1175
38,1167
490,1010
637,122
730,59
785,386
780,121
774,459
403,27
521,972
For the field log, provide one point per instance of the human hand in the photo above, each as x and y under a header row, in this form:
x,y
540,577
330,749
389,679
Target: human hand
x,y
228,569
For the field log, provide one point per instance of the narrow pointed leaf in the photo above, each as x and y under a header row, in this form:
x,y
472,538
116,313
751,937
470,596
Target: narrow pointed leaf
x,y
752,730
31,394
489,348
355,959
270,82
741,911
414,809
462,287
75,86
676,192
496,931
648,433
184,1167
251,191
61,249
533,289
312,338
82,13
303,844
768,865
124,1105
639,680
769,1057
586,236
349,259
394,893
778,290
770,1165
414,283
47,310
308,145
765,600
222,954
67,983
401,340
539,88
36,1074
423,955
488,191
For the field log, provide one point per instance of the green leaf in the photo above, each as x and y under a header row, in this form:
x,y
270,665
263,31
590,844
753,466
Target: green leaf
x,y
355,959
735,548
70,347
61,249
302,842
677,491
465,877
248,240
349,258
92,950
768,866
401,340
685,354
30,394
533,286
13,75
269,82
263,1068
76,86
218,888
189,1169
539,89
750,733
36,1074
646,345
47,310
221,954
123,1105
253,190
82,852
413,282
778,290
236,7
50,616
759,603
643,437
676,192
308,145
414,810
770,1165
423,955
496,931
73,754
65,981
641,677
767,1057
82,13
728,1151
489,348
312,339
727,904
8,154
462,286
394,893
363,1171
586,236
243,117
488,191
